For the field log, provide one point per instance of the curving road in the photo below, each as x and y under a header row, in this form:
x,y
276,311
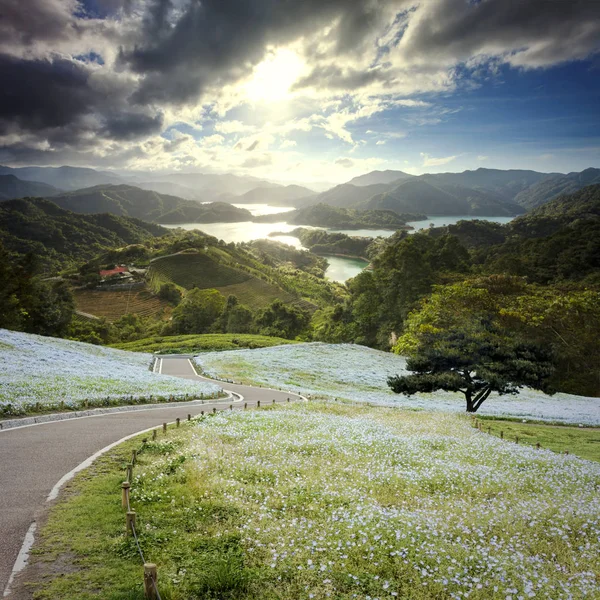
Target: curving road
x,y
33,459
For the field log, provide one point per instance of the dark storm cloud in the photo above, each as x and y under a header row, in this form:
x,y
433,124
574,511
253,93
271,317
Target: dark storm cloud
x,y
179,49
42,94
218,41
128,126
547,31
28,21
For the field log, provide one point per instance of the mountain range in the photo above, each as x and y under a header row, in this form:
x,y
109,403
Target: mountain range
x,y
482,192
130,201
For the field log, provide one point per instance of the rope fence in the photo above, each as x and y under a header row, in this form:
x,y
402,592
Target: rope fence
x,y
150,569
479,425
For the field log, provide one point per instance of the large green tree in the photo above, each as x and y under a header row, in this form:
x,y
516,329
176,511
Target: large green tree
x,y
475,362
198,311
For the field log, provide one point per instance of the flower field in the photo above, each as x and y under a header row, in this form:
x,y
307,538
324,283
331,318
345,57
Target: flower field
x,y
348,501
40,373
359,373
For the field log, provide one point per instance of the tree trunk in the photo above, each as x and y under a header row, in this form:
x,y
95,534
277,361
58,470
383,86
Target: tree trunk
x,y
469,397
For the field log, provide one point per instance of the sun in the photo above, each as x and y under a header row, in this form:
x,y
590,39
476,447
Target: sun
x,y
273,77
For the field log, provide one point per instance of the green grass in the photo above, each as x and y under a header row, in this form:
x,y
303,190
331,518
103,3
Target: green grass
x,y
581,441
199,270
187,344
314,500
256,293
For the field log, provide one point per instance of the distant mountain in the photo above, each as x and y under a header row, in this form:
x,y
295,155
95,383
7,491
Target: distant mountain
x,y
172,189
211,185
417,195
554,185
347,195
58,236
131,201
63,178
282,196
502,183
13,187
375,177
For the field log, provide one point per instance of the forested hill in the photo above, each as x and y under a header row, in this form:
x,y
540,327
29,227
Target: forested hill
x,y
58,237
324,215
421,195
131,201
555,185
556,242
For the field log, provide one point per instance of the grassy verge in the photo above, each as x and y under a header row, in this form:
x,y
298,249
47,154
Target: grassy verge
x,y
582,441
187,344
315,500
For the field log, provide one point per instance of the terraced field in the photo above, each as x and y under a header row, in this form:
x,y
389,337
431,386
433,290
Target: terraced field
x,y
112,305
200,270
256,293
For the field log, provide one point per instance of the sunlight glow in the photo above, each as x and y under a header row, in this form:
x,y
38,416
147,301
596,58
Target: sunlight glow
x,y
274,76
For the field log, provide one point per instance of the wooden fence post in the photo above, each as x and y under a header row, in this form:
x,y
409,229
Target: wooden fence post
x,y
231,407
125,494
288,399
273,400
245,405
502,435
129,472
153,434
133,456
537,445
150,579
189,417
258,404
177,421
164,428
130,521
214,410
517,439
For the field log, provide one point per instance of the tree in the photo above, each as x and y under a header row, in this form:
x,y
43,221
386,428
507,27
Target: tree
x,y
281,320
170,293
463,339
476,363
198,310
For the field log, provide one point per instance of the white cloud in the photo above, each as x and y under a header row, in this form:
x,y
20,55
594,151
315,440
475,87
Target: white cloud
x,y
228,127
288,144
380,143
430,161
212,140
481,158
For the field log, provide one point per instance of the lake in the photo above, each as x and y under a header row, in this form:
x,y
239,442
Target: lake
x,y
340,269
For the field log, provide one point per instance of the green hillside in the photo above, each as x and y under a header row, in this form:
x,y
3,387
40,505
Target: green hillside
x,y
209,342
555,185
59,237
422,196
131,201
324,215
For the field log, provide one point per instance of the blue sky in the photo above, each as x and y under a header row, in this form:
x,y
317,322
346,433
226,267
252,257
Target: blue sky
x,y
320,90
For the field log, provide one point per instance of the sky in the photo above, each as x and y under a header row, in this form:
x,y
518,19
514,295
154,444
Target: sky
x,y
301,90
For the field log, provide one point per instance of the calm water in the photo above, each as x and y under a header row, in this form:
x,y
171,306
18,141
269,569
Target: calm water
x,y
440,221
340,269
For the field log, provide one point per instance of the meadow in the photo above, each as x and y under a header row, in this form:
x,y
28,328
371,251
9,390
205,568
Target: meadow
x,y
358,373
42,374
330,500
203,342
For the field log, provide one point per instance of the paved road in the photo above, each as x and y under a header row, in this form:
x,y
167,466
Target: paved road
x,y
33,459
